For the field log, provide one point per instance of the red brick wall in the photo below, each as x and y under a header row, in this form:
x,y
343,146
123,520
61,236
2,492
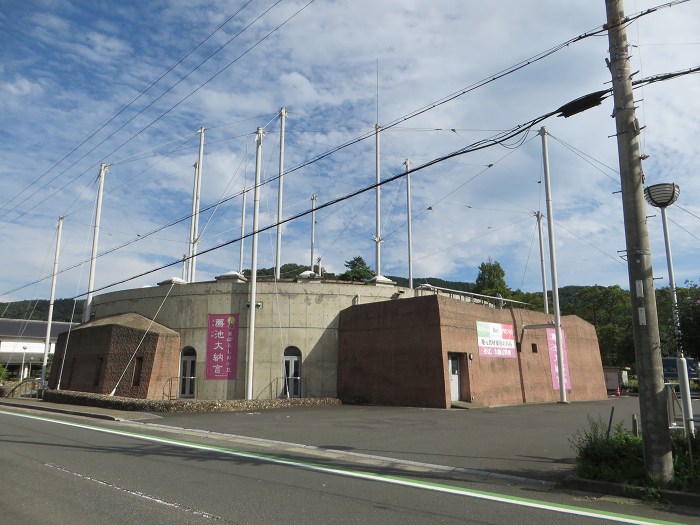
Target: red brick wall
x,y
396,353
389,354
98,355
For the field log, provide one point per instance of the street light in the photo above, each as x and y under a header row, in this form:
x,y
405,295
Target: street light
x,y
21,370
661,196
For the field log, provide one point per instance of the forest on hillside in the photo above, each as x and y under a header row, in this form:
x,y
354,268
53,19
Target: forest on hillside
x,y
608,308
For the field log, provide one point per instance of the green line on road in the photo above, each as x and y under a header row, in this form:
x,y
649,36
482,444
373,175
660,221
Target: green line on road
x,y
359,474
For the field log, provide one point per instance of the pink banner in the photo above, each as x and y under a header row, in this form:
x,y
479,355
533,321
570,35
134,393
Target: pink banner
x,y
222,346
553,362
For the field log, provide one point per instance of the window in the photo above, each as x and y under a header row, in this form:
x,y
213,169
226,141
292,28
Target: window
x,y
138,365
98,371
534,348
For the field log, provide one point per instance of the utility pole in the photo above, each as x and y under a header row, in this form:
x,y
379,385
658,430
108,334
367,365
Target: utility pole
x,y
658,458
278,255
95,237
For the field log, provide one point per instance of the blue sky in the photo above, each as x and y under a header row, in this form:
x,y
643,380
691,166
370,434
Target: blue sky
x,y
129,83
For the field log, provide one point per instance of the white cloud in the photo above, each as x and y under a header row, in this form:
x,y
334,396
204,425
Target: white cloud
x,y
73,65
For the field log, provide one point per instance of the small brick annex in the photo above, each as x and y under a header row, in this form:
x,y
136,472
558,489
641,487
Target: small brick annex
x,y
398,353
145,355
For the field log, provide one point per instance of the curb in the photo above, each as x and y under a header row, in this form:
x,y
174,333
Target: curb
x,y
60,410
628,491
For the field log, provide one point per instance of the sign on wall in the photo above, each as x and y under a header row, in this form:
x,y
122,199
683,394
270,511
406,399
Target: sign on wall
x,y
495,340
222,346
553,361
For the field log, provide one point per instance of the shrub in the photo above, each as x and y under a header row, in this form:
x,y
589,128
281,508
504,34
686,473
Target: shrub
x,y
616,455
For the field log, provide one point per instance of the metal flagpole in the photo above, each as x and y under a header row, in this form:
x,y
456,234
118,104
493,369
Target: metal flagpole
x,y
553,266
47,340
538,214
407,163
95,236
278,256
254,270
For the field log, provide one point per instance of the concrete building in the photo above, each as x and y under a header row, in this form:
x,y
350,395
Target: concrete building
x,y
296,335
374,343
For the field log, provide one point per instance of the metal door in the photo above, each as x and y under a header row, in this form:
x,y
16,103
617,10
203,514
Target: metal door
x,y
453,362
187,378
292,376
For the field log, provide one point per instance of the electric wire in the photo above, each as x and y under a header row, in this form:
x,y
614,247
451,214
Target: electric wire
x,y
248,50
128,105
503,142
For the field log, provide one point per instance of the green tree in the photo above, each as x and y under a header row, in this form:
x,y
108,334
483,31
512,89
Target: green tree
x,y
491,279
357,270
689,313
609,310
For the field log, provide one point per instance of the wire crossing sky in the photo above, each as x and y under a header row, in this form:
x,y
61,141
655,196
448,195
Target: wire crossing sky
x,y
86,83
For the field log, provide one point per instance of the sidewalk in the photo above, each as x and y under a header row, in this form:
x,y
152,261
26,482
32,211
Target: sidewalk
x,y
76,410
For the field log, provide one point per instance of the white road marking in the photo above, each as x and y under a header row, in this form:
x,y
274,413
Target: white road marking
x,y
358,474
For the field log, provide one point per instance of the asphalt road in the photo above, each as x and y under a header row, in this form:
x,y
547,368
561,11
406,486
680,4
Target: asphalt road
x,y
63,469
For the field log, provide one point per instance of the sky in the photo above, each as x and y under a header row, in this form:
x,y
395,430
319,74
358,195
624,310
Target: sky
x,y
130,84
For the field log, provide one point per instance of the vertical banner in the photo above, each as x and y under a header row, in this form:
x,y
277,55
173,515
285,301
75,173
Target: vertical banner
x,y
222,346
553,362
495,340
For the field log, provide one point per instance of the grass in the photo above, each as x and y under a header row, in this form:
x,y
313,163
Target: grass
x,y
616,455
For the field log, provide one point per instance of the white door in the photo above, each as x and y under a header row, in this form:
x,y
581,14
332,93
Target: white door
x,y
187,379
453,361
292,376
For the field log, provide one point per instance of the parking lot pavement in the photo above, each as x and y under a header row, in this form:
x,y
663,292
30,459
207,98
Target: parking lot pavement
x,y
530,441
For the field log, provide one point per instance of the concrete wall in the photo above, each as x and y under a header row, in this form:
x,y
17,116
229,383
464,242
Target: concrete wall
x,y
397,353
301,314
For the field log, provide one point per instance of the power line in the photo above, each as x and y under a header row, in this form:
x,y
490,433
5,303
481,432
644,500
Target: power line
x,y
128,105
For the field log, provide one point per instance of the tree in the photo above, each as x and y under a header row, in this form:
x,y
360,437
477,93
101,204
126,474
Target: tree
x,y
689,313
491,279
608,309
357,270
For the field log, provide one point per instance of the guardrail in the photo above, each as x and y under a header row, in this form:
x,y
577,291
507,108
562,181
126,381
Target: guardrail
x,y
175,382
31,387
